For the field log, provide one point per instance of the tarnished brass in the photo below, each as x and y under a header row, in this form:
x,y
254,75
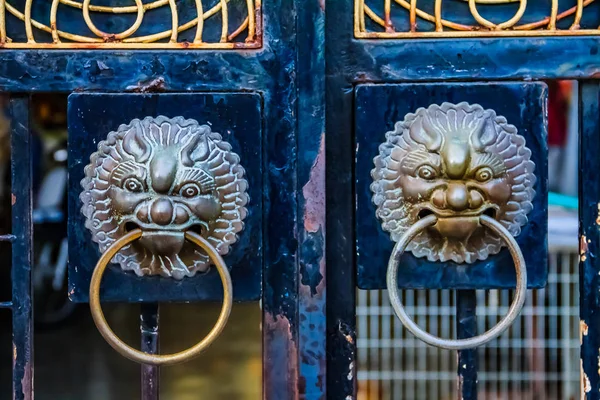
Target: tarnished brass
x,y
475,341
165,176
155,359
456,162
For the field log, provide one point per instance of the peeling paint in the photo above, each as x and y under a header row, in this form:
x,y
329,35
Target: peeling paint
x,y
598,215
314,193
587,387
583,328
351,371
13,199
583,248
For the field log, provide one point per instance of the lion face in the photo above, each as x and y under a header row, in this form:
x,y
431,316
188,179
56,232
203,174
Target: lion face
x,y
164,176
456,162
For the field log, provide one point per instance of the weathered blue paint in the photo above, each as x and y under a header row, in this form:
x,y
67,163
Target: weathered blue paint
x,y
589,237
311,200
22,249
378,108
238,117
362,61
466,327
280,273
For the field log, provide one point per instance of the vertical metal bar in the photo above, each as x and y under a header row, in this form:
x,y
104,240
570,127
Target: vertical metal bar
x,y
22,249
466,327
505,385
149,320
397,354
433,353
421,365
589,264
386,337
374,364
540,332
412,343
553,334
280,320
312,355
565,324
445,332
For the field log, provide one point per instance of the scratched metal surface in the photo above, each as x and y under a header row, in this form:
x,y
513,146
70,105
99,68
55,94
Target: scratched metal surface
x,y
589,278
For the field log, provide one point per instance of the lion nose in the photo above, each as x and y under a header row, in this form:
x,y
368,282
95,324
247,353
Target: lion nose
x,y
457,197
161,211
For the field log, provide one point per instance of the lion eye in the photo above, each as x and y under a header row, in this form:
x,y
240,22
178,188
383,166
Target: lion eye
x,y
426,172
484,174
132,184
190,190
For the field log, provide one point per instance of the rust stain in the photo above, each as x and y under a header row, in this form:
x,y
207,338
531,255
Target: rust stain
x,y
314,193
598,215
13,199
279,345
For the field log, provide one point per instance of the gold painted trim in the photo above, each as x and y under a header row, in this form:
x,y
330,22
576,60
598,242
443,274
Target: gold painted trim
x,y
252,24
483,27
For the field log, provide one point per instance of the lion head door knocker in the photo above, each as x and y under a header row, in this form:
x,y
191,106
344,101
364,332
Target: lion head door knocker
x,y
167,197
454,182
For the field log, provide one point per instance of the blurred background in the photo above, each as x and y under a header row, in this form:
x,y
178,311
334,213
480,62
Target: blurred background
x,y
537,359
72,361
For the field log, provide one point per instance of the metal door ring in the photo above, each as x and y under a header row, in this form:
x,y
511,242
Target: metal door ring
x,y
155,359
459,344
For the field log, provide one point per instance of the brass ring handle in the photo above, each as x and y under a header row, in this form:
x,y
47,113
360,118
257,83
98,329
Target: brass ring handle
x,y
459,344
155,359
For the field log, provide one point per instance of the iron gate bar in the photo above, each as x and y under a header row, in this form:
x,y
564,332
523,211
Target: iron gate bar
x,y
149,327
466,327
589,236
22,248
311,200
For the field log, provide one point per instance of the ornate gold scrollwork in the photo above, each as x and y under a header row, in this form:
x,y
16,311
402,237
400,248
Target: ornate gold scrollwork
x,y
454,182
371,21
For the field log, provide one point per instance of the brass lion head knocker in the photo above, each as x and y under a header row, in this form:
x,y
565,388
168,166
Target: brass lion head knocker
x,y
164,176
454,182
163,196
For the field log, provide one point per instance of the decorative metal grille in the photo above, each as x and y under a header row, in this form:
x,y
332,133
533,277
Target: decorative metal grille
x,y
203,24
394,19
538,357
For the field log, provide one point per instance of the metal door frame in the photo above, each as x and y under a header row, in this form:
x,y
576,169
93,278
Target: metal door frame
x,y
356,58
293,299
